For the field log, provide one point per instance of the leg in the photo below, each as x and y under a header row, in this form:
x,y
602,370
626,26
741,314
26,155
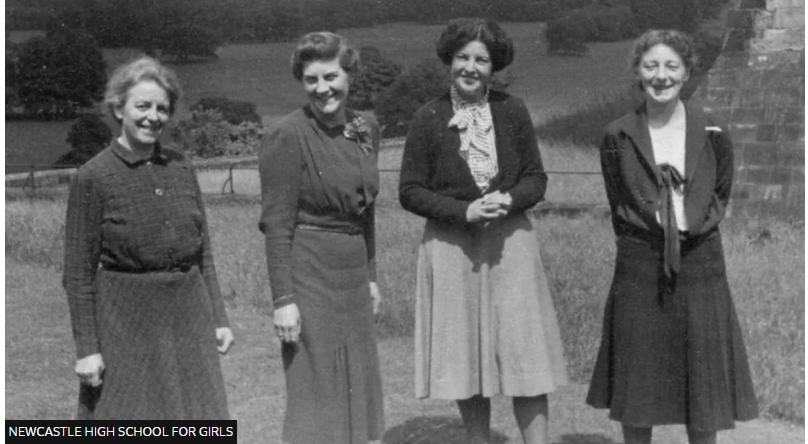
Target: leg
x,y
476,414
531,417
636,435
701,437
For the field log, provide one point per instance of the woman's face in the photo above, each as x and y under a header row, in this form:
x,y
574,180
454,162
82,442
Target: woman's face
x,y
326,84
472,70
144,114
662,74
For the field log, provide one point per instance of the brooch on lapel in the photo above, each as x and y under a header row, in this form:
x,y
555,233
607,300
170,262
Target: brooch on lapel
x,y
713,128
359,130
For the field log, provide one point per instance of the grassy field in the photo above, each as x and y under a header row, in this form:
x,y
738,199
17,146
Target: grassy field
x,y
260,73
766,271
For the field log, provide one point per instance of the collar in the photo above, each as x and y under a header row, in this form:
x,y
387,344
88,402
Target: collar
x,y
130,158
635,126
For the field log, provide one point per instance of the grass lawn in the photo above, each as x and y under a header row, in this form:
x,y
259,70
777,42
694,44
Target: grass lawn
x,y
260,73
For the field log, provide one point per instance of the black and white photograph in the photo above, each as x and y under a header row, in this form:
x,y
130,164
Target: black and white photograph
x,y
406,222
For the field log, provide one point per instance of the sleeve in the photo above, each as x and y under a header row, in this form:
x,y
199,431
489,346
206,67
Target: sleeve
x,y
532,183
82,254
416,170
610,168
725,169
206,264
279,170
370,239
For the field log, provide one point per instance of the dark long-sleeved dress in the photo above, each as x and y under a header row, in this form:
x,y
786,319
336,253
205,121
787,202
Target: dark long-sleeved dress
x,y
672,351
318,191
142,288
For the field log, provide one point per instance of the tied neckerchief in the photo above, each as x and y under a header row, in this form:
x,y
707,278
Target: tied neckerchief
x,y
671,181
475,124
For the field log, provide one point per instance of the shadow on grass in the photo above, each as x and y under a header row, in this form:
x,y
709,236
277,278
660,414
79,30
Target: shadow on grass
x,y
585,438
433,430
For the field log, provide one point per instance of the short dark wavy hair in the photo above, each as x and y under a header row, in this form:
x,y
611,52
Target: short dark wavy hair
x,y
460,32
324,46
679,41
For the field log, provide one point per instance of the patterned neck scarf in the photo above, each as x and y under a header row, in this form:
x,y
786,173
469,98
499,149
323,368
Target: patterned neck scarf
x,y
477,142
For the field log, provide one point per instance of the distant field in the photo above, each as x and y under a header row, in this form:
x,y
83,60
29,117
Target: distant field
x,y
260,73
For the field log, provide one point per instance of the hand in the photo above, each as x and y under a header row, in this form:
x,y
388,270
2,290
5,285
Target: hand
x,y
287,323
376,296
224,336
89,369
479,210
504,200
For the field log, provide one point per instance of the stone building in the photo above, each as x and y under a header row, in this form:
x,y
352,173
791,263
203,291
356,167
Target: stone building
x,y
757,86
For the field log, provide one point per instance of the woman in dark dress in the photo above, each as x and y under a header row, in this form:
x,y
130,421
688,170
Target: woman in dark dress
x,y
144,301
672,350
485,322
319,181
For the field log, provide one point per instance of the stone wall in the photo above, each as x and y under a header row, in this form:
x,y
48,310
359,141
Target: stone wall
x,y
757,86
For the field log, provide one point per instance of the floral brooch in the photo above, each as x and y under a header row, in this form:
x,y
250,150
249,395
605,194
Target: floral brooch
x,y
359,130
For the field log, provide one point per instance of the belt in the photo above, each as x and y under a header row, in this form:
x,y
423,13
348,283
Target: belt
x,y
346,229
173,268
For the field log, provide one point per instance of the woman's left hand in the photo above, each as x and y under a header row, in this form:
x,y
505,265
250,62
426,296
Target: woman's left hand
x,y
376,296
225,338
503,200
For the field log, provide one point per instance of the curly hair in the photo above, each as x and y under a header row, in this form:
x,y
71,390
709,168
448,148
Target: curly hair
x,y
460,32
141,69
678,41
324,46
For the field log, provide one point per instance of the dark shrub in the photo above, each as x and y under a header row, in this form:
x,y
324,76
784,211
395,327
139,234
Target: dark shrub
x,y
398,104
376,73
87,137
206,134
566,35
232,111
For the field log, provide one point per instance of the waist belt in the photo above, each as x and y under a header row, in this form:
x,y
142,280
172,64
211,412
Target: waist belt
x,y
347,229
183,267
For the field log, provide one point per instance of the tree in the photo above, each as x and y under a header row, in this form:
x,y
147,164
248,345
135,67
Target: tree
x,y
88,137
376,73
59,73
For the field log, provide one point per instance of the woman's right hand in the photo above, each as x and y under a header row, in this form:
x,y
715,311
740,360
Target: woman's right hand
x,y
287,323
480,210
89,369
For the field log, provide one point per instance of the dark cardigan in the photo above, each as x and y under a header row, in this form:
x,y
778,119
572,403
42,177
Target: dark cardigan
x,y
436,182
633,179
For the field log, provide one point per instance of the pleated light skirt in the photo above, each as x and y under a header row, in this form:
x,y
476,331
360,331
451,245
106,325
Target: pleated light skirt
x,y
158,340
485,323
333,381
672,358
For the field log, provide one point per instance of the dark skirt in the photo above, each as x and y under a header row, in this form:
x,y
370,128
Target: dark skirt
x,y
158,340
333,381
672,358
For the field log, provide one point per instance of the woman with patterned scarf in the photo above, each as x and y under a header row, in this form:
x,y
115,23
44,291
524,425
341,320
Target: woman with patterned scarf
x,y
485,321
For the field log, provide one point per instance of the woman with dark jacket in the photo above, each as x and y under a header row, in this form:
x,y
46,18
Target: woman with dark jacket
x,y
319,181
145,304
672,350
485,321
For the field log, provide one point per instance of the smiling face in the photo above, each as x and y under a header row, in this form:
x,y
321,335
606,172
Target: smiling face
x,y
144,115
662,73
472,70
326,84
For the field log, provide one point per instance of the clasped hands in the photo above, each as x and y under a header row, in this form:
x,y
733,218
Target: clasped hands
x,y
489,207
287,318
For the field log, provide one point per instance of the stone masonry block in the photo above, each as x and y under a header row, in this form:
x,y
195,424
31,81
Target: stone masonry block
x,y
789,18
721,96
752,4
732,60
798,175
777,4
743,115
782,77
794,115
795,38
783,97
761,154
743,132
791,155
737,41
796,198
770,40
792,133
741,19
765,133
763,60
751,97
763,20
